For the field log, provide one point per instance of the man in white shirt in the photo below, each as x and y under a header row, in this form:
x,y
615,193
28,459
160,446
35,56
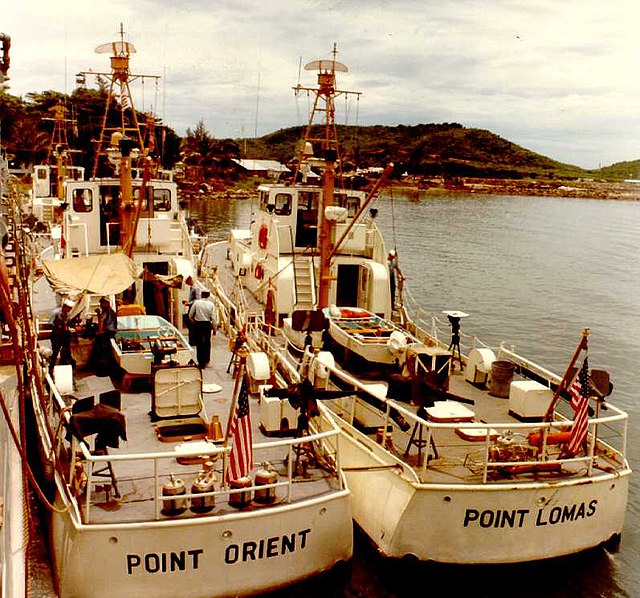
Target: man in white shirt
x,y
204,321
195,292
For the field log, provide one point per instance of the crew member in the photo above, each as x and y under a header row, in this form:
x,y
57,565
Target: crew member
x,y
101,354
395,275
204,322
61,335
195,292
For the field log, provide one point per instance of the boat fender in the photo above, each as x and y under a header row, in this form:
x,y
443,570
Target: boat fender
x,y
397,343
258,370
324,360
258,272
263,235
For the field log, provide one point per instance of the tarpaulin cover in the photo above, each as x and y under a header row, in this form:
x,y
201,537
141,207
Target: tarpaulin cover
x,y
95,274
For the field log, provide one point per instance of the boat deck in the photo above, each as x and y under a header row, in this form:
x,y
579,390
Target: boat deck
x,y
145,462
459,442
479,439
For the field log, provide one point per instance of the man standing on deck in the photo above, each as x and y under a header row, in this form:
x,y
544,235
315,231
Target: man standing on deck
x,y
61,335
394,275
195,292
101,356
204,322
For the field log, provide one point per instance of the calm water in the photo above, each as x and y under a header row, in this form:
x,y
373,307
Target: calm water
x,y
534,272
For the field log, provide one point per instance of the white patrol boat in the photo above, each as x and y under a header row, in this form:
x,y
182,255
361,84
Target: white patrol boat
x,y
480,457
164,483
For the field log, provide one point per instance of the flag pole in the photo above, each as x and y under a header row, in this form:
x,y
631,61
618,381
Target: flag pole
x,y
242,358
565,379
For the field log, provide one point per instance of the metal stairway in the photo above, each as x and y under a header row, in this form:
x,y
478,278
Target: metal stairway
x,y
304,282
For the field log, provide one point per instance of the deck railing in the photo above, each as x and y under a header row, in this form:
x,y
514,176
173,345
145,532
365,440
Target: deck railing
x,y
325,443
607,436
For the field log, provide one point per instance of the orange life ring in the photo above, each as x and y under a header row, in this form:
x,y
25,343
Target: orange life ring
x,y
258,272
263,233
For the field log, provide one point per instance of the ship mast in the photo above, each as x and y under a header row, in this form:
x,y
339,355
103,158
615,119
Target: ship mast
x,y
124,143
324,102
59,151
118,94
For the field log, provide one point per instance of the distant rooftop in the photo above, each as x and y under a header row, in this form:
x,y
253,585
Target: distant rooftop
x,y
262,165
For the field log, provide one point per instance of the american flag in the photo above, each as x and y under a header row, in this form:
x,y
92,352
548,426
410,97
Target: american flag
x,y
241,455
579,393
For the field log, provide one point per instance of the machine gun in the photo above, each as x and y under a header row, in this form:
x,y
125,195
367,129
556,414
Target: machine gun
x,y
303,397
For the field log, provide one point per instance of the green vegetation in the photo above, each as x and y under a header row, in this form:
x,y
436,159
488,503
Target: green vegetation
x,y
448,150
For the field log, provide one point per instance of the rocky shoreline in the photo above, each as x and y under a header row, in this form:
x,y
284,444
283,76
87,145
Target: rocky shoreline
x,y
584,189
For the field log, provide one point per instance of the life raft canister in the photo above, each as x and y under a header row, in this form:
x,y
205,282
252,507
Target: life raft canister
x,y
263,233
258,272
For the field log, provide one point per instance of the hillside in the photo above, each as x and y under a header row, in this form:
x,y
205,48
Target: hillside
x,y
448,150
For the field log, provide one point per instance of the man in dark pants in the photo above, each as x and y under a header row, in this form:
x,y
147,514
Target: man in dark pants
x,y
204,321
61,335
194,293
101,355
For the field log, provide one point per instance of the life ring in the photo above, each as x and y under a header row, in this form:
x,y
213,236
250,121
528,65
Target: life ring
x,y
258,272
263,233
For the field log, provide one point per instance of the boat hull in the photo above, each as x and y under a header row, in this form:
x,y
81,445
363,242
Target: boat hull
x,y
13,558
239,555
478,524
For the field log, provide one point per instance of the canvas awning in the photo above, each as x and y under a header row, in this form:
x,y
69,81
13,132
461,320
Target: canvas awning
x,y
95,274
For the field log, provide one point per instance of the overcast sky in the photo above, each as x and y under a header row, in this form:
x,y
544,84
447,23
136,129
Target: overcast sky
x,y
556,77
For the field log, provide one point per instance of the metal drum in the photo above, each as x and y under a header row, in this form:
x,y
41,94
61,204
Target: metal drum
x,y
240,499
202,484
501,376
174,487
264,477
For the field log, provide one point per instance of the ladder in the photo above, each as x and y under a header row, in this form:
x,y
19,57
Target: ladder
x,y
304,281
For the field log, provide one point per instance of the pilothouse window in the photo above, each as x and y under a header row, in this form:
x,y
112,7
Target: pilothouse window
x,y
82,200
352,203
283,204
161,200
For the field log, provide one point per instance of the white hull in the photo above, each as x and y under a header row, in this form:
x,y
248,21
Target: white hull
x,y
478,524
210,556
13,535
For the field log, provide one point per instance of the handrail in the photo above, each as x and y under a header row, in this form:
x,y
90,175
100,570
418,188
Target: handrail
x,y
89,459
617,416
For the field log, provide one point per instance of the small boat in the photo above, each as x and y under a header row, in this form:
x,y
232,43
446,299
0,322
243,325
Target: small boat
x,y
358,333
142,339
175,486
474,457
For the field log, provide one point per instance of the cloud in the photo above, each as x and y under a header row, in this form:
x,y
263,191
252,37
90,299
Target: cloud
x,y
557,78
